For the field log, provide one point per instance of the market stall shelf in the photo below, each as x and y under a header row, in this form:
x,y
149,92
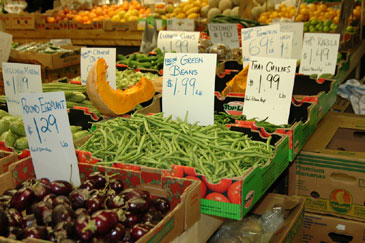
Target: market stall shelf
x,y
96,37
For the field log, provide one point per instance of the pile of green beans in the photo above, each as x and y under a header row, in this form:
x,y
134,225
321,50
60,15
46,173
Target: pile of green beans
x,y
158,142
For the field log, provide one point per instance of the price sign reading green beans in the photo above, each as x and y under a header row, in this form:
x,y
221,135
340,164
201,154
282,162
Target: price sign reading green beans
x,y
319,53
270,83
20,78
188,86
49,136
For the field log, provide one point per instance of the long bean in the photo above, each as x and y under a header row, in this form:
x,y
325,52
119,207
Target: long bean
x,y
159,142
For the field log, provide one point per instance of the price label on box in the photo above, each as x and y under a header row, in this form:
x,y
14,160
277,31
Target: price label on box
x,y
175,24
181,42
5,43
188,86
61,42
20,78
224,33
49,136
269,89
319,53
286,43
297,30
260,41
89,57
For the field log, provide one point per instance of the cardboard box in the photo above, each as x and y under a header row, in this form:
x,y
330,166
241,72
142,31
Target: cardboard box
x,y
49,75
291,229
330,171
21,21
323,228
48,61
183,194
251,186
321,91
6,159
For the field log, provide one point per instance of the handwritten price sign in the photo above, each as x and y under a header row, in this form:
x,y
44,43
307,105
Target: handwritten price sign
x,y
269,89
89,57
188,86
181,42
319,53
20,78
297,30
49,136
260,41
224,33
286,43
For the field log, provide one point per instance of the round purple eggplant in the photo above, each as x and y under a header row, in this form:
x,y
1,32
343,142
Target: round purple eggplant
x,y
61,187
49,198
15,217
61,200
116,234
64,230
162,204
43,213
98,178
139,230
138,205
4,223
84,227
105,220
131,219
62,213
38,232
78,198
15,233
88,185
95,202
28,221
41,190
22,199
116,185
115,202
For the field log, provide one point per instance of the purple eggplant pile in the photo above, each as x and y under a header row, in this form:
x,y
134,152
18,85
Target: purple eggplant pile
x,y
99,210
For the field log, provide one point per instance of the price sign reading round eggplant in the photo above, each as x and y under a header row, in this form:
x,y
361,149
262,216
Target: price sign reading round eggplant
x,y
270,83
188,86
49,135
319,53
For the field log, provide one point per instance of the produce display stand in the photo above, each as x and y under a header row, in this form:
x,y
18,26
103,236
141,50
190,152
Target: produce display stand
x,y
97,37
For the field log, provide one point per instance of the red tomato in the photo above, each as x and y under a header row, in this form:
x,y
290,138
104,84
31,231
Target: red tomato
x,y
203,187
189,171
221,186
215,196
234,192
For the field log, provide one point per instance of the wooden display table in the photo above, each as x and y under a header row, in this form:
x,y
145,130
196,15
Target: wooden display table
x,y
80,37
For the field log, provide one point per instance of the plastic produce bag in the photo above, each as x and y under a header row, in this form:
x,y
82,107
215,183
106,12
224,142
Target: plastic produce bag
x,y
354,91
252,229
14,6
223,51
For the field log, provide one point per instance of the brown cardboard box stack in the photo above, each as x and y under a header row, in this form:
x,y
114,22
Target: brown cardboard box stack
x,y
330,174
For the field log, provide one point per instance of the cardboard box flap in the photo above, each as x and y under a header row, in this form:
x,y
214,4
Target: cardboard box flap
x,y
339,134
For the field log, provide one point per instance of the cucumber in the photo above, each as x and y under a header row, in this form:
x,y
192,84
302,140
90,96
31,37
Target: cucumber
x,y
9,138
13,118
17,128
21,143
75,128
121,57
4,126
141,56
3,113
148,59
68,93
76,97
79,134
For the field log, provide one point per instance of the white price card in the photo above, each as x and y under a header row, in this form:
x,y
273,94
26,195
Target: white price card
x,y
297,30
89,57
175,24
5,43
188,86
224,33
319,53
181,42
20,78
270,83
286,44
61,42
49,136
260,41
